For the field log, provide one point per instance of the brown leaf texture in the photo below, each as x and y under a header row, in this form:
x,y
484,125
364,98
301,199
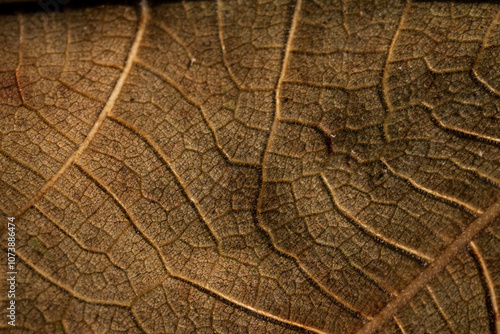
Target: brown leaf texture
x,y
252,166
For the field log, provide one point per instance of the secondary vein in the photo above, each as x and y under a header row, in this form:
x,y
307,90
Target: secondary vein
x,y
104,112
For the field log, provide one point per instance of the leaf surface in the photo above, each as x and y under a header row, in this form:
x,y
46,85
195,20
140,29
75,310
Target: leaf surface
x,y
260,167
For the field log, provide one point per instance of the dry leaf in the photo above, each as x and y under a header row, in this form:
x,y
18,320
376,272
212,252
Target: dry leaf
x,y
251,167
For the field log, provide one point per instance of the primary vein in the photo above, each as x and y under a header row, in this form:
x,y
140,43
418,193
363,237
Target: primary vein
x,y
434,268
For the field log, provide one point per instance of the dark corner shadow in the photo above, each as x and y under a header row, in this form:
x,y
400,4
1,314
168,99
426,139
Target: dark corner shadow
x,y
9,7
